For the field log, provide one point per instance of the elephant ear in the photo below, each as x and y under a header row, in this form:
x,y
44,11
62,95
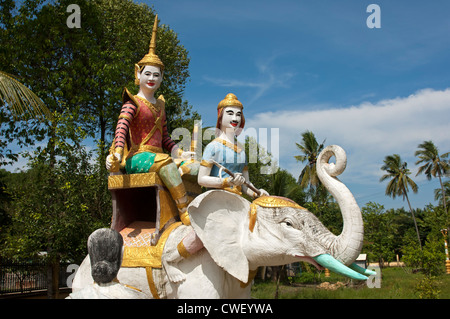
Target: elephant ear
x,y
219,219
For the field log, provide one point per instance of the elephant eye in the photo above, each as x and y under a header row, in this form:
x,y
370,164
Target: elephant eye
x,y
288,223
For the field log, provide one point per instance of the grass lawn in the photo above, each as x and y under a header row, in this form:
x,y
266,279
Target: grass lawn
x,y
396,283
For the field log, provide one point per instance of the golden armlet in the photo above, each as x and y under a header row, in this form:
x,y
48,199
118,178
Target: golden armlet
x,y
206,163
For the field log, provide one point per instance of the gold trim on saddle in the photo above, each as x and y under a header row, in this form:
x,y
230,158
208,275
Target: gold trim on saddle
x,y
147,256
151,282
133,180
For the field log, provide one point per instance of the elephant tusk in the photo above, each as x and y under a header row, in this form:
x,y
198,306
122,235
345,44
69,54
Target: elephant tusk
x,y
334,265
361,270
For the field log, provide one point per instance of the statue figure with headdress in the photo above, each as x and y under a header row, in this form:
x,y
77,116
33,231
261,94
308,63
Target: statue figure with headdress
x,y
225,153
141,135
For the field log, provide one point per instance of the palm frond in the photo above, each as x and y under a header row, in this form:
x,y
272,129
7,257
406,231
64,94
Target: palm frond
x,y
20,99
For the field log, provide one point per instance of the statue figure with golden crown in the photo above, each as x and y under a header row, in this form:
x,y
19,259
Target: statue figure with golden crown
x,y
180,242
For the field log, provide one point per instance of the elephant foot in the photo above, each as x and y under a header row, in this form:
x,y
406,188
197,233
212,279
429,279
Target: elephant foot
x,y
173,273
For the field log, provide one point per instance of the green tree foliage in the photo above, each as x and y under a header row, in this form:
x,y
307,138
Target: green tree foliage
x,y
434,165
86,69
439,194
310,150
80,75
397,171
22,101
56,207
430,260
380,232
265,173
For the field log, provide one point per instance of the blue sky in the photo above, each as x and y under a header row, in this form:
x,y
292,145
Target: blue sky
x,y
315,65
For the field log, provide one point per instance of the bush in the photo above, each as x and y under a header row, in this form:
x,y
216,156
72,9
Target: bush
x,y
430,260
427,288
307,278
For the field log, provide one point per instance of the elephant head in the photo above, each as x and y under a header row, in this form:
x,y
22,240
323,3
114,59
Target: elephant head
x,y
241,236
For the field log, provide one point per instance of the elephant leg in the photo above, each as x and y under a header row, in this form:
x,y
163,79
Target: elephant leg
x,y
189,245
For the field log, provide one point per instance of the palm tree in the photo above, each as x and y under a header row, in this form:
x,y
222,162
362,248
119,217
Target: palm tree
x,y
438,193
310,151
433,165
398,172
282,183
19,98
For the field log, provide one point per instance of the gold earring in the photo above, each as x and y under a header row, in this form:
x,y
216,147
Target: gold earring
x,y
136,70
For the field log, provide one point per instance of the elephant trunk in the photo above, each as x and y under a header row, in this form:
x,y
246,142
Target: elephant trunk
x,y
347,246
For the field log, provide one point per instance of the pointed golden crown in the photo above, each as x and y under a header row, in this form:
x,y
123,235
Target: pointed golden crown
x,y
151,58
230,100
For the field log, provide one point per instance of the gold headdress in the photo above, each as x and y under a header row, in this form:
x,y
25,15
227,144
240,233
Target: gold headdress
x,y
269,201
229,100
150,58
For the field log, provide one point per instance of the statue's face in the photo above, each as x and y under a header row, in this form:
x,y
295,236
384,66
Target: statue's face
x,y
231,118
150,78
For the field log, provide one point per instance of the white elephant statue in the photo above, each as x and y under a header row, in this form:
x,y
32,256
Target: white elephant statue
x,y
239,237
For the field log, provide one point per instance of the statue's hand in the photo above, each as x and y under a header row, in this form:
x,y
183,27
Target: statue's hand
x,y
187,155
263,192
112,161
237,180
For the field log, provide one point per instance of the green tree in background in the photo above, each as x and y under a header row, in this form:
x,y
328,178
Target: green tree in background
x,y
79,74
438,194
434,165
310,149
380,232
399,183
85,70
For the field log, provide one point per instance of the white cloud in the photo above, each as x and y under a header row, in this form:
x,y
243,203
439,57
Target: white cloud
x,y
266,80
368,132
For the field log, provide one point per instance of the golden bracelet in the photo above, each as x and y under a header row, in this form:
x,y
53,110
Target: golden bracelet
x,y
119,150
225,182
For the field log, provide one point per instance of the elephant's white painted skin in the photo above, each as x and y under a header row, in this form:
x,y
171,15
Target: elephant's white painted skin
x,y
347,246
221,219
